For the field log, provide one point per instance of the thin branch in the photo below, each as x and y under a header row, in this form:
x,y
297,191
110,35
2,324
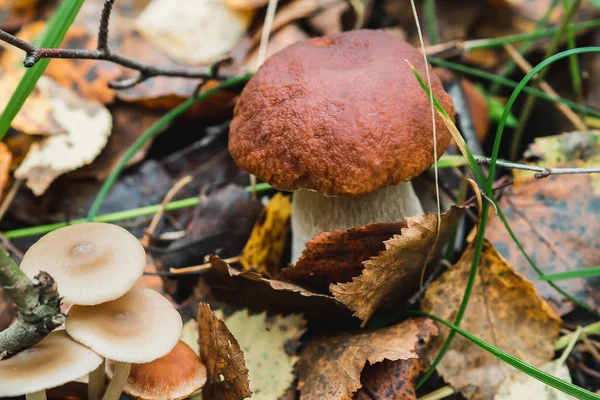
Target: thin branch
x,y
38,304
103,30
541,171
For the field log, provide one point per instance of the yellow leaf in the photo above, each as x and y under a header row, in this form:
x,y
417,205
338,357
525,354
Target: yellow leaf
x,y
264,249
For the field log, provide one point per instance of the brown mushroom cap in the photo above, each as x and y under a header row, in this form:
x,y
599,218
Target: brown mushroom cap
x,y
54,361
342,114
174,376
139,327
91,263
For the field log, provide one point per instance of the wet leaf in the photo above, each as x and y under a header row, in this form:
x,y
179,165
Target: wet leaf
x,y
395,274
504,310
338,256
227,375
130,122
330,366
555,217
266,245
520,386
174,26
251,290
88,124
269,345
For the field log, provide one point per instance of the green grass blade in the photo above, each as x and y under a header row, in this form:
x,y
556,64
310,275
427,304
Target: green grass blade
x,y
118,216
576,273
536,373
510,83
431,25
152,132
573,61
52,37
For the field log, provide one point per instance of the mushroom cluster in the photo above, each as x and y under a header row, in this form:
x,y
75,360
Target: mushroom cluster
x,y
95,266
342,121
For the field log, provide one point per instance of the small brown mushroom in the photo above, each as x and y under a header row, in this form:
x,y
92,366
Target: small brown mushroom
x,y
175,376
341,120
54,361
139,327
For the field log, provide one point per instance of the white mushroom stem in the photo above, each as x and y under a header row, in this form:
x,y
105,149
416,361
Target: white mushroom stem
x,y
313,213
41,395
96,383
118,381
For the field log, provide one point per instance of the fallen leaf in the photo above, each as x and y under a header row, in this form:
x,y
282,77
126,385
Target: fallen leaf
x,y
281,39
338,256
36,116
88,124
329,20
175,26
269,344
554,218
14,13
5,161
330,366
227,375
394,275
265,247
504,310
130,122
252,291
520,386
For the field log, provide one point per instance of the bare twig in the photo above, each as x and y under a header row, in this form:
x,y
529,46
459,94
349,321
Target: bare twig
x,y
103,52
38,305
541,171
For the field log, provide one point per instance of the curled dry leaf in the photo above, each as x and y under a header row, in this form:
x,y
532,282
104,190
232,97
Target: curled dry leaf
x,y
395,274
227,375
266,245
257,293
269,345
330,367
338,256
88,126
555,218
504,310
175,26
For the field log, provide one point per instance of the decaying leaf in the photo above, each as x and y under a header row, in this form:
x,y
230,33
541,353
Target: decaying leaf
x,y
504,310
266,245
88,124
338,256
395,380
395,274
330,367
257,293
520,386
36,116
555,217
227,375
269,345
176,25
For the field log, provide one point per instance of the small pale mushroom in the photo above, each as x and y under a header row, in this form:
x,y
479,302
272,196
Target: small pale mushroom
x,y
175,376
54,361
139,327
342,121
92,263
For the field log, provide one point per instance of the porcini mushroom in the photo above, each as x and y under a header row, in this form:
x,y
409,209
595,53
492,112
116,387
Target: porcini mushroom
x,y
54,361
91,263
138,327
175,376
341,120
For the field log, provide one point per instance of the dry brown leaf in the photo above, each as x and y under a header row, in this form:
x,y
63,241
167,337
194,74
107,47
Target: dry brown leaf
x,y
338,256
130,122
227,375
257,293
395,274
5,162
330,367
88,124
266,245
504,310
175,26
555,218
